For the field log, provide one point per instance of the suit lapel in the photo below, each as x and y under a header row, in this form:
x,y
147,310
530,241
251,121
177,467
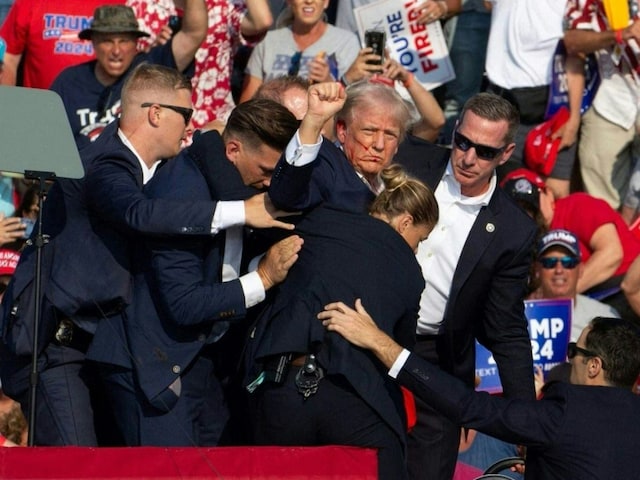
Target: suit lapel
x,y
480,237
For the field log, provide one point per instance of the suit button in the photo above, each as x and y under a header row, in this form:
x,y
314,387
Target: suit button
x,y
202,337
176,369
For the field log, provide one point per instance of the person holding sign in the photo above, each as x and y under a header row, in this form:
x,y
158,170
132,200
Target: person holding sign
x,y
608,249
559,430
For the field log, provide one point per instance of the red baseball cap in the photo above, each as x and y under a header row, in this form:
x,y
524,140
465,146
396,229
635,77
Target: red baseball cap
x,y
524,185
540,151
530,175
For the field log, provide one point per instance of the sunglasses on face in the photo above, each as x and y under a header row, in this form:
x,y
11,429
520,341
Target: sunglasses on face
x,y
294,68
574,350
482,151
551,262
184,111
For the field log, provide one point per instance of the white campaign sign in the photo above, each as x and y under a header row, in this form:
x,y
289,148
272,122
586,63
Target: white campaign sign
x,y
421,49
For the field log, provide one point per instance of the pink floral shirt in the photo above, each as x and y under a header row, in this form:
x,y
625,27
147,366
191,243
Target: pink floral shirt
x,y
212,98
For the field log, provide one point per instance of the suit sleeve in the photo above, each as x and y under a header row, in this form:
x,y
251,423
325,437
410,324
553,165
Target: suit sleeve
x,y
525,422
504,329
185,273
114,194
303,187
184,292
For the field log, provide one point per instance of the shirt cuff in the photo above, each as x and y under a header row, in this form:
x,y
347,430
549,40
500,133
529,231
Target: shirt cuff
x,y
252,288
255,261
399,363
227,214
300,155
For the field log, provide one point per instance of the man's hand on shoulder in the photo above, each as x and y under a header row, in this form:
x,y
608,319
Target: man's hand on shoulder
x,y
259,212
357,326
275,265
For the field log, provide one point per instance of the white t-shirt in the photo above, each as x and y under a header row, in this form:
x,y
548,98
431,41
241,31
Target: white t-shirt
x,y
272,57
584,310
523,38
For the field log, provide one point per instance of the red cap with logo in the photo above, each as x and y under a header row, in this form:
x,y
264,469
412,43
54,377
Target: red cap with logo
x,y
540,151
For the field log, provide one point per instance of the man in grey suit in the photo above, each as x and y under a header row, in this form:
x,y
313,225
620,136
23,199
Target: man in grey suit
x,y
598,407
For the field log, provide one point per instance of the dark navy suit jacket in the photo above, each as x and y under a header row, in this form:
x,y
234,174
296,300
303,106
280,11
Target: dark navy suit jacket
x,y
489,283
345,256
179,302
488,287
91,223
575,432
328,179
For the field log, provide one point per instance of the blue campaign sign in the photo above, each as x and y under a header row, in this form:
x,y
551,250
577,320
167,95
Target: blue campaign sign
x,y
559,87
549,330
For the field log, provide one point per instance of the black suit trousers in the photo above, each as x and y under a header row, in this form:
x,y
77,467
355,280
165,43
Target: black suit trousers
x,y
434,441
334,415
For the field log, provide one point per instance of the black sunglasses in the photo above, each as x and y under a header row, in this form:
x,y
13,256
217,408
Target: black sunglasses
x,y
573,350
184,111
482,151
295,64
551,262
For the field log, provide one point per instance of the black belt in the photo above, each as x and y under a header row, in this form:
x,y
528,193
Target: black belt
x,y
68,334
518,91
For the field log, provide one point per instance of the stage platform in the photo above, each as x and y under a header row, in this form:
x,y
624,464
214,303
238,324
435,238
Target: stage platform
x,y
228,463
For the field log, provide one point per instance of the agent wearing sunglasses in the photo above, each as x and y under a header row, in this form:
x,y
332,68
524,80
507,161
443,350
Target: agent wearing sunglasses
x,y
589,428
558,268
93,224
472,289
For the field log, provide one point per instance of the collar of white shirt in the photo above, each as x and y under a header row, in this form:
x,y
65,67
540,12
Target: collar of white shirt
x,y
147,173
452,191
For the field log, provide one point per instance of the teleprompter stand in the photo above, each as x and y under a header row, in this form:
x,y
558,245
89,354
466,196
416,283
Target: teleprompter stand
x,y
36,140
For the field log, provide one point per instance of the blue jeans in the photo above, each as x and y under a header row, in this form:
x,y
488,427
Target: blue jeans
x,y
468,51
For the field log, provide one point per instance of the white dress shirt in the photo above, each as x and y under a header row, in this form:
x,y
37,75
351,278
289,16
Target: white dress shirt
x,y
438,255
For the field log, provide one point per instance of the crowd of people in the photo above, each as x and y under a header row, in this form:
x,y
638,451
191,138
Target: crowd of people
x,y
278,228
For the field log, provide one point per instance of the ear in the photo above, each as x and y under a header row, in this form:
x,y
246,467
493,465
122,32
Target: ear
x,y
594,367
153,115
403,221
507,153
341,131
232,149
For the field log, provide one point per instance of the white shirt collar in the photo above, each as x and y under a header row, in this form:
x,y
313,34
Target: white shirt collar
x,y
147,173
454,189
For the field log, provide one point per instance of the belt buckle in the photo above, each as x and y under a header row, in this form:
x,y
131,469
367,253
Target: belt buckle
x,y
64,334
309,376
